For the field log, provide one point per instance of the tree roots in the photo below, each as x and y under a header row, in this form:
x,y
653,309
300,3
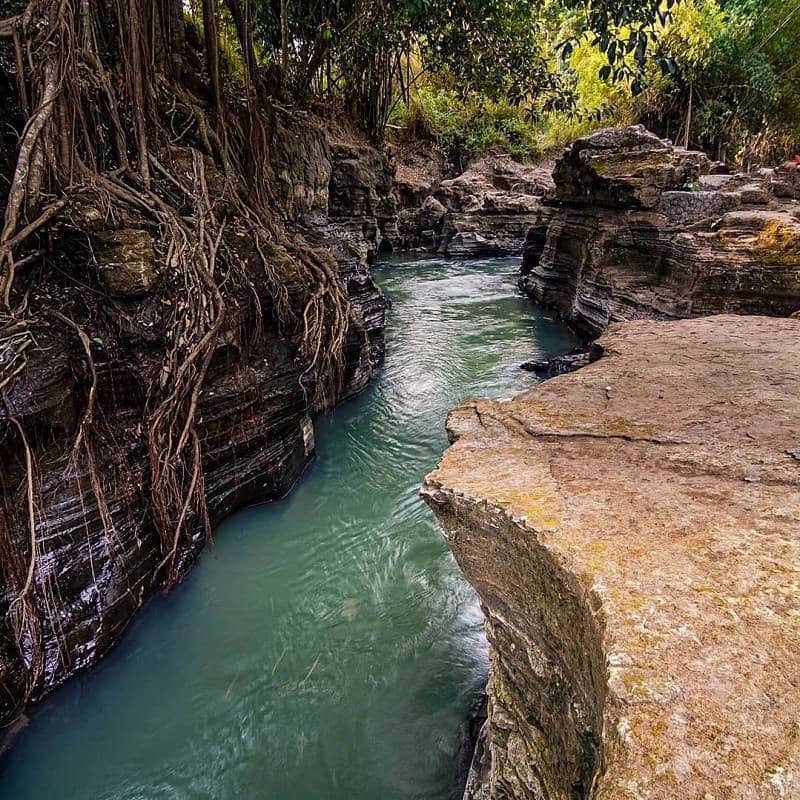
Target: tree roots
x,y
110,134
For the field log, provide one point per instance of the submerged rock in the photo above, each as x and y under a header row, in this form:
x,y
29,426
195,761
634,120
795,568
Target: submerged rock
x,y
632,529
559,365
635,228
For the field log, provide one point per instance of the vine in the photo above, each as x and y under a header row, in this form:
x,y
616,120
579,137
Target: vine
x,y
108,131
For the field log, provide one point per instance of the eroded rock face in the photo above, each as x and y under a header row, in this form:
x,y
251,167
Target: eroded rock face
x,y
628,167
301,166
254,414
362,222
89,582
484,211
635,228
633,530
340,197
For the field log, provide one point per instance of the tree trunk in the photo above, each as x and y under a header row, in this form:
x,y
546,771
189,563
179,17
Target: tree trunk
x,y
241,19
211,35
285,38
688,118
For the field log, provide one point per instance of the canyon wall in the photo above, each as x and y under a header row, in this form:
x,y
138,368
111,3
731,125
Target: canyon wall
x,y
97,562
632,530
340,196
637,228
485,211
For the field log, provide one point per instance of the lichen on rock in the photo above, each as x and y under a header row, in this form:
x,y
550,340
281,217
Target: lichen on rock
x,y
632,530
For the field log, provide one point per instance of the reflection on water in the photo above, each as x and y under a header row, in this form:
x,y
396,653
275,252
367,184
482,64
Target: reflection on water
x,y
325,646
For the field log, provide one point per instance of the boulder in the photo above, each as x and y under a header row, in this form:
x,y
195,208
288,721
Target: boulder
x,y
431,214
786,181
624,167
126,261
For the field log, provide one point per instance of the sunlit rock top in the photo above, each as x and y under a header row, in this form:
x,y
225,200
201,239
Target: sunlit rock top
x,y
633,530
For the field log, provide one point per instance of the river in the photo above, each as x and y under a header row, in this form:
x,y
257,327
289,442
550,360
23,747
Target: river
x,y
325,647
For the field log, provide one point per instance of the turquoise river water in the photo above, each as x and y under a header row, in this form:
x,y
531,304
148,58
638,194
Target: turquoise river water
x,y
325,647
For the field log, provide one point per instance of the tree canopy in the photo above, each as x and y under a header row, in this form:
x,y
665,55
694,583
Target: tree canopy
x,y
731,61
370,53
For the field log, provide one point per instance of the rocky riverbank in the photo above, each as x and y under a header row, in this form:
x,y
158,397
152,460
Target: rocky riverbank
x,y
97,555
632,531
630,527
485,211
637,228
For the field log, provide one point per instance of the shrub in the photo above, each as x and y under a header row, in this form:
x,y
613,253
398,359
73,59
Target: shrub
x,y
464,130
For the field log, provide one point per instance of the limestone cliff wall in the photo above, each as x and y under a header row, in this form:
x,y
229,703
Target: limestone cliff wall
x,y
632,530
636,228
255,413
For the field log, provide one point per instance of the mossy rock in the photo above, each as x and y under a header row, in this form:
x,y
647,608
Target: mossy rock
x,y
126,262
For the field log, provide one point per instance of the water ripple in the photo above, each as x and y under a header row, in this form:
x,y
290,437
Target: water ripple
x,y
327,647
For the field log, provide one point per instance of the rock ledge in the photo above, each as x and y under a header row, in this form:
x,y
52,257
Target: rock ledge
x,y
633,530
638,229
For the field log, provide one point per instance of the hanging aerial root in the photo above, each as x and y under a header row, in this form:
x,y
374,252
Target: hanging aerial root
x,y
15,339
106,121
20,571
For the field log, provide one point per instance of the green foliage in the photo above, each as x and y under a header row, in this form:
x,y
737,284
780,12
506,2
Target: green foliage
x,y
625,32
466,128
230,50
692,31
733,92
525,74
496,48
502,51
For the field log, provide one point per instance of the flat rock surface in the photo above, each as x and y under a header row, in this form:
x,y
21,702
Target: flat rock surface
x,y
665,477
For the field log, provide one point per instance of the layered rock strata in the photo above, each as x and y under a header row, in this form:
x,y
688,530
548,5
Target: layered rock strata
x,y
633,531
636,228
485,211
97,563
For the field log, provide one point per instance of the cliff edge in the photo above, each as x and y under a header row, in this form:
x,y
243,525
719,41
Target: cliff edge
x,y
633,530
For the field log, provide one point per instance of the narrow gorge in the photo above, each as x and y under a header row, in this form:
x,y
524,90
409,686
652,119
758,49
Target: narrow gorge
x,y
399,401
309,659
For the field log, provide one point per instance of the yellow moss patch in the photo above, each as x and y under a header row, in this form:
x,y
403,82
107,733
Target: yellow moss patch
x,y
778,243
618,165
